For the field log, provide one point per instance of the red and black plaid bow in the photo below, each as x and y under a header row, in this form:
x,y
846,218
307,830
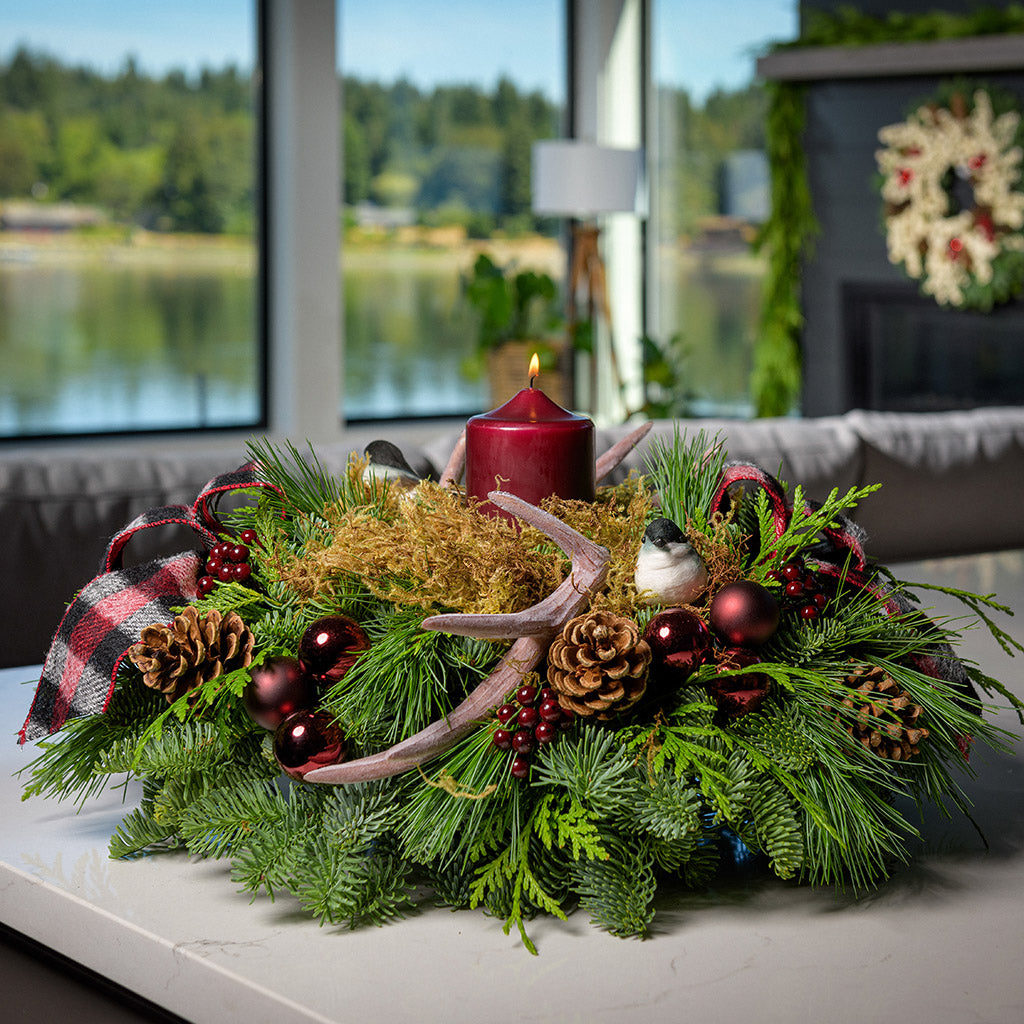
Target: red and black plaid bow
x,y
107,616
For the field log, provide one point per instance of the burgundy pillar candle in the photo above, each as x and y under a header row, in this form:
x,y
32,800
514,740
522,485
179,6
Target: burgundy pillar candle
x,y
532,448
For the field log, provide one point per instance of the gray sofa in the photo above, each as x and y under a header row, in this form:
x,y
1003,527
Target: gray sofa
x,y
953,483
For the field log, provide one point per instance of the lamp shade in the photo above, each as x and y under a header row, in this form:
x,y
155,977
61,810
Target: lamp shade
x,y
583,179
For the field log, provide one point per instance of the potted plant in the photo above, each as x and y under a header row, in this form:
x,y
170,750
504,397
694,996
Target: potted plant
x,y
518,316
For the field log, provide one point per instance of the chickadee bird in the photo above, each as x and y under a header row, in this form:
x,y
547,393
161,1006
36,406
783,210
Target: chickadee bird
x,y
387,463
668,570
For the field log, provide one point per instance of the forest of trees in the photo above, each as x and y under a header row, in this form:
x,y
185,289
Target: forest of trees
x,y
174,153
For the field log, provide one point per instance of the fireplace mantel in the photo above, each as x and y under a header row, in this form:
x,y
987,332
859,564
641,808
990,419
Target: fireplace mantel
x,y
947,56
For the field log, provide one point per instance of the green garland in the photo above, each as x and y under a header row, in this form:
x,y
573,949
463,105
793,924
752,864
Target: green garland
x,y
611,810
790,228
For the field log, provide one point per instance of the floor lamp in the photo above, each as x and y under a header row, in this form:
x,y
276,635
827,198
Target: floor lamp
x,y
581,181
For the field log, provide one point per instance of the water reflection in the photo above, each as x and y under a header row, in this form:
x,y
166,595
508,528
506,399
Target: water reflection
x,y
111,346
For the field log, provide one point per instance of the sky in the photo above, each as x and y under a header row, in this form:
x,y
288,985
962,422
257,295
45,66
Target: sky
x,y
701,44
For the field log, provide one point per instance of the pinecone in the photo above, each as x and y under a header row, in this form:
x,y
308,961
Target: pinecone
x,y
598,665
174,659
886,715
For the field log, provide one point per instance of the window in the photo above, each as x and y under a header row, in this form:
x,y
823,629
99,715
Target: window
x,y
127,217
709,194
440,106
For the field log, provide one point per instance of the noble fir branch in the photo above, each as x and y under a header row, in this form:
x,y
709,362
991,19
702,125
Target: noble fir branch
x,y
685,475
340,886
618,892
593,767
670,814
217,823
140,830
270,856
79,763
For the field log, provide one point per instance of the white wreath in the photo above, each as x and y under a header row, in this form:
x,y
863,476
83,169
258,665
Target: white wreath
x,y
946,250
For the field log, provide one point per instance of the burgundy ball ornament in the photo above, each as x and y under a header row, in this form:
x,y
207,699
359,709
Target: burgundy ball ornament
x,y
330,646
680,643
277,688
308,740
744,613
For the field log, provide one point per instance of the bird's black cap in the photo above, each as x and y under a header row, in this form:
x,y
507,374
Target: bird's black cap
x,y
384,453
661,532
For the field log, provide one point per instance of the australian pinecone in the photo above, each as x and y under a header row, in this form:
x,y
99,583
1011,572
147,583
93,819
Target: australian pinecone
x,y
193,649
598,665
884,716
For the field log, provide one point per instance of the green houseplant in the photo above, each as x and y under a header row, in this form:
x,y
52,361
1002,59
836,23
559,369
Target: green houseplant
x,y
518,315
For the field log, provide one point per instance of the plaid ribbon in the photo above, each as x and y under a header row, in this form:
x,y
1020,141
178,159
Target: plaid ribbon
x,y
109,613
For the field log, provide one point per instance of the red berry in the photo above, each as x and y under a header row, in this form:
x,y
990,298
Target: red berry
x,y
238,553
810,582
528,717
522,741
526,695
820,599
213,563
226,572
547,693
520,768
247,536
809,611
502,739
794,589
776,576
506,713
221,549
545,732
792,571
204,585
550,710
567,719
241,572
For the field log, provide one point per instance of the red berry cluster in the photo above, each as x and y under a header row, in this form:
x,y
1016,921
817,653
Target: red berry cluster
x,y
227,561
801,589
533,717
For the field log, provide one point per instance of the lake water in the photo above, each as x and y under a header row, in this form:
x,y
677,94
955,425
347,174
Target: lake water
x,y
94,346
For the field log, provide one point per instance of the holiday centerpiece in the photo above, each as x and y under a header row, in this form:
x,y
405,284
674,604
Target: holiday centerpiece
x,y
366,688
954,206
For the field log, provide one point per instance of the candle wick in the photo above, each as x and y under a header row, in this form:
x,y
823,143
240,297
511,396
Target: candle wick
x,y
532,379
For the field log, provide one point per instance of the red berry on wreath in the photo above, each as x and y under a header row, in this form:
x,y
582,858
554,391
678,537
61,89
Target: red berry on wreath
x,y
545,732
526,695
522,741
247,536
238,553
520,768
550,710
241,572
204,585
502,739
528,717
506,713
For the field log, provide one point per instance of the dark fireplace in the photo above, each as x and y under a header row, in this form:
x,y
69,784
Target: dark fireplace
x,y
907,354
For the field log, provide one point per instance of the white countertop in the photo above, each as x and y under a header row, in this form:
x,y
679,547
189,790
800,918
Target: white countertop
x,y
941,942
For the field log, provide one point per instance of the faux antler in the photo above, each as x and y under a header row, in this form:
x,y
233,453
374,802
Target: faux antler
x,y
535,627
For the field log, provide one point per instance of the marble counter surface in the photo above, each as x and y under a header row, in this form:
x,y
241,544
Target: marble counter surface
x,y
940,942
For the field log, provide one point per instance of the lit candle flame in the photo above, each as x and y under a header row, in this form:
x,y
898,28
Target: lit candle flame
x,y
534,368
